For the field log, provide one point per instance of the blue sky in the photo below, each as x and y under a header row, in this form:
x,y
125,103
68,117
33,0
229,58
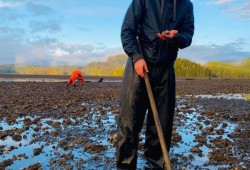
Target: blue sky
x,y
77,32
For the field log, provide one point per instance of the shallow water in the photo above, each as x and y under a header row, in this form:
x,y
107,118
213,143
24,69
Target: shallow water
x,y
223,96
97,127
31,80
54,80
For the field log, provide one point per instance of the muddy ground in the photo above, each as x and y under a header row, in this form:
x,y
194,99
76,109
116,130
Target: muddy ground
x,y
44,125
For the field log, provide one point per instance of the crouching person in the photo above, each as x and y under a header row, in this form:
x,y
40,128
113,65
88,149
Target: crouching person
x,y
76,75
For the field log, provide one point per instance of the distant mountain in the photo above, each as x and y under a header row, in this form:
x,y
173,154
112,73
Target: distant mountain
x,y
7,69
115,66
37,70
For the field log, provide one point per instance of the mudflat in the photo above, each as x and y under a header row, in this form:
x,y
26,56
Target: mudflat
x,y
44,124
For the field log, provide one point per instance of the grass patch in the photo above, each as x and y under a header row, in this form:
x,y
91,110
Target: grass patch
x,y
247,96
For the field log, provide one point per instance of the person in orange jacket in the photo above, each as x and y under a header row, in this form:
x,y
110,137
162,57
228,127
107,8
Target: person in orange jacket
x,y
77,74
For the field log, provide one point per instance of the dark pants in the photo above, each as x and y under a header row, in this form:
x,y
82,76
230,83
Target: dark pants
x,y
134,105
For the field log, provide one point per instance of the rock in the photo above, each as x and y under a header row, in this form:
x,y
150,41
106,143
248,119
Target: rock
x,y
6,163
37,151
196,150
36,166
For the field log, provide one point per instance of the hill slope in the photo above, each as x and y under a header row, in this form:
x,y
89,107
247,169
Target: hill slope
x,y
187,68
115,66
230,69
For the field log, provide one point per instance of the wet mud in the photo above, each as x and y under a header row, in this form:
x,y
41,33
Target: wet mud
x,y
44,125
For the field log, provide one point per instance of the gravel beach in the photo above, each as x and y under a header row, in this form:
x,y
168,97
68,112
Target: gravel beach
x,y
45,125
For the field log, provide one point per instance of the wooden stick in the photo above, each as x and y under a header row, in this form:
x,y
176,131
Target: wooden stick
x,y
157,123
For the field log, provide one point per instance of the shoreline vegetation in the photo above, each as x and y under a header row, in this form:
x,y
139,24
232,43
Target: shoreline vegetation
x,y
115,66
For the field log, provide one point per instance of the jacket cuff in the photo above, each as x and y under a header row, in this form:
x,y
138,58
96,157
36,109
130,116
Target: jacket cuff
x,y
175,41
136,57
180,41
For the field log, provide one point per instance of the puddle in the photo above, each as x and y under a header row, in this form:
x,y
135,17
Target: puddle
x,y
31,80
96,128
54,80
223,96
191,127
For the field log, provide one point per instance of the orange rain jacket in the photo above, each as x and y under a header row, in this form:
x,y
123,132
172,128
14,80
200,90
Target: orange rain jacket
x,y
77,74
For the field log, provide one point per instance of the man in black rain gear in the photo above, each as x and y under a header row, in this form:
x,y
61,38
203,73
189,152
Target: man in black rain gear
x,y
152,33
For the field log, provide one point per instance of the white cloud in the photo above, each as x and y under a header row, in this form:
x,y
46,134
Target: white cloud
x,y
219,2
213,52
59,53
8,4
238,8
51,26
49,51
242,11
80,54
20,60
42,44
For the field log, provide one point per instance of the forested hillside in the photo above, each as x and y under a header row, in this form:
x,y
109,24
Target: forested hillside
x,y
187,68
230,69
115,65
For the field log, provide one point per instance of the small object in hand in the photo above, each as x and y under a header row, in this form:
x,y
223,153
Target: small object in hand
x,y
166,32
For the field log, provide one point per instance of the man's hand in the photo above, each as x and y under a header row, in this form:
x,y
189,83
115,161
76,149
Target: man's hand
x,y
141,67
167,35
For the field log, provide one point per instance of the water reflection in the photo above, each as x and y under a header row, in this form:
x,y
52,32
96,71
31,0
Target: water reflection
x,y
96,127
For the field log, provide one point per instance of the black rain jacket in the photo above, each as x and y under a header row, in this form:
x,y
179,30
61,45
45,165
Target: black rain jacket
x,y
145,18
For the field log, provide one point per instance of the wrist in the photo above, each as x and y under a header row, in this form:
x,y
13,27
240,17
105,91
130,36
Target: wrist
x,y
137,58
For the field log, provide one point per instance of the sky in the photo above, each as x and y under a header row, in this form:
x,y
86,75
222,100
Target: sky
x,y
77,32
